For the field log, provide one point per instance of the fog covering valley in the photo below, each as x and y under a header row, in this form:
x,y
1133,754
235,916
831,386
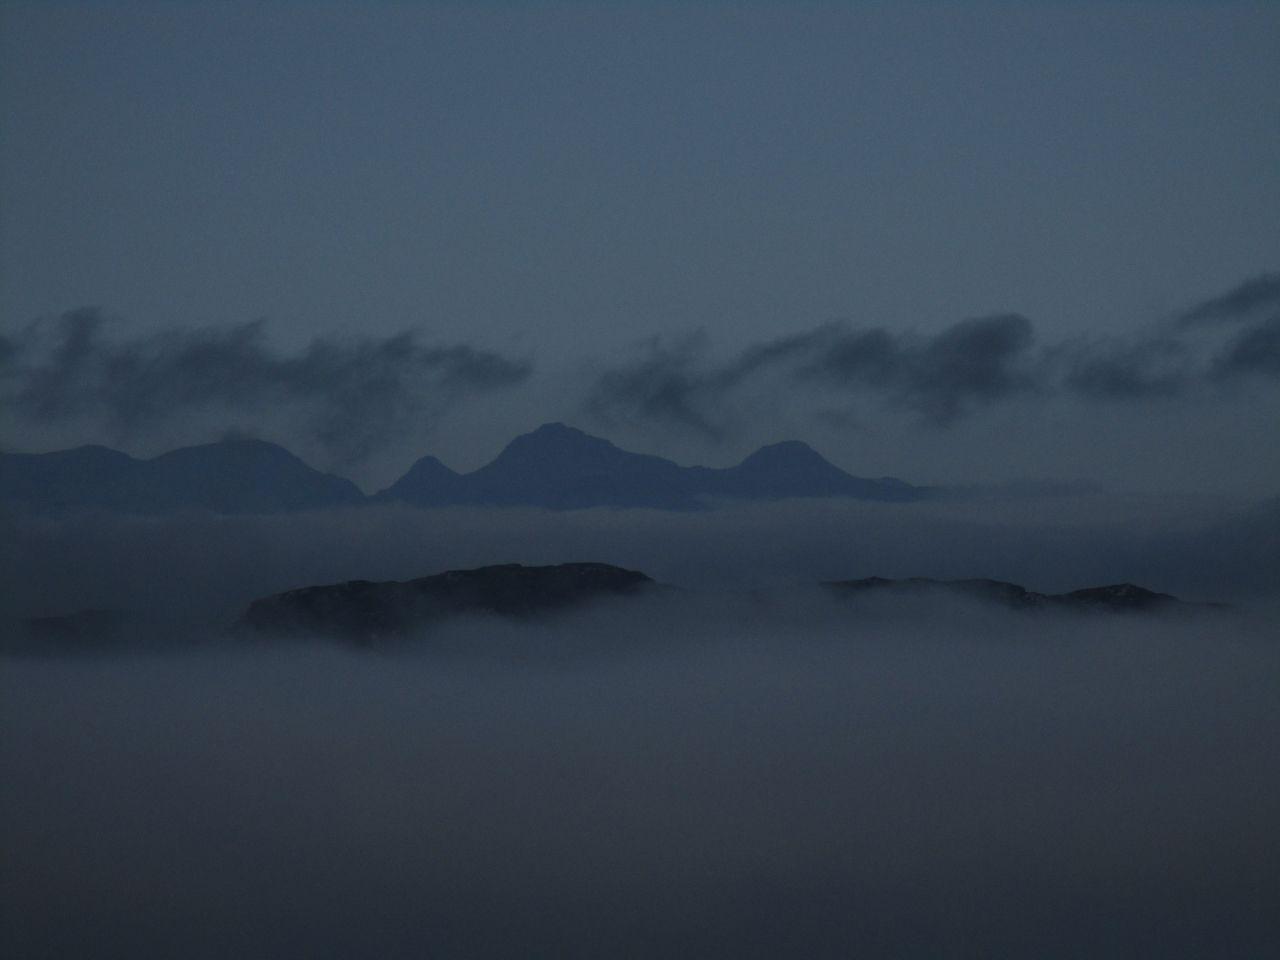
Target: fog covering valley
x,y
744,766
477,480
203,568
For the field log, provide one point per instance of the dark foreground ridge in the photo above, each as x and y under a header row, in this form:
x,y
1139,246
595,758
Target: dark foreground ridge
x,y
1116,597
364,610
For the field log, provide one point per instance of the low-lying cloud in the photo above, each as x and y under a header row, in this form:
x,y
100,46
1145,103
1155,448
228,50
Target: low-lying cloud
x,y
943,378
350,396
805,780
1247,298
345,402
706,772
207,568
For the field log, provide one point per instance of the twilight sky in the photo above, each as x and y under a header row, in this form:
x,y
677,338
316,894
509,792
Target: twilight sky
x,y
947,242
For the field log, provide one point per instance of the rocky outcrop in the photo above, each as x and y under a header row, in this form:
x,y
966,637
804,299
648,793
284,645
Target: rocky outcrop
x,y
1117,597
363,610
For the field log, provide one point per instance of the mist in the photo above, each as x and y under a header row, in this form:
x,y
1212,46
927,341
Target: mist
x,y
203,569
690,775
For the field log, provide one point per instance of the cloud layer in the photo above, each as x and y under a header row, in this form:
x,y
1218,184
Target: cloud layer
x,y
350,396
681,781
942,378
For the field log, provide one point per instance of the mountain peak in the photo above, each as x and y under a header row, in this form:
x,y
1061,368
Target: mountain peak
x,y
787,455
561,433
558,439
785,451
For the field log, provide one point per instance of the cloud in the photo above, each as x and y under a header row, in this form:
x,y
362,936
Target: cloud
x,y
1118,371
1255,352
1251,295
352,396
972,363
941,378
664,779
663,385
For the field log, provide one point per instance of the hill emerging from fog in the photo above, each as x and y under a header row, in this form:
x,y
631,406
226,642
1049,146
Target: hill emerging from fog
x,y
361,610
555,466
1115,597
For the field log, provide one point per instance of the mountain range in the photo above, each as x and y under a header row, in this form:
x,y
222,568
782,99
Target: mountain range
x,y
555,466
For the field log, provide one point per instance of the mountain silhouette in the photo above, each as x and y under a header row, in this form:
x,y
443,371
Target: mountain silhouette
x,y
560,467
555,466
232,476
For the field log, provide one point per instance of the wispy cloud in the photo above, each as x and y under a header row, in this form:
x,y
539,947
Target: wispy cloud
x,y
943,378
351,396
1247,298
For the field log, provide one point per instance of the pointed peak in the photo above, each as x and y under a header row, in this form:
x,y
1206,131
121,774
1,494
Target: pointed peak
x,y
558,429
789,448
559,436
430,465
784,452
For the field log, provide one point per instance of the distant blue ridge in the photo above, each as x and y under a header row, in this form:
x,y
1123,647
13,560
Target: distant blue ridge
x,y
555,466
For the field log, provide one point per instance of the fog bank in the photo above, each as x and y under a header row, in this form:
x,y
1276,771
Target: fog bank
x,y
685,779
206,568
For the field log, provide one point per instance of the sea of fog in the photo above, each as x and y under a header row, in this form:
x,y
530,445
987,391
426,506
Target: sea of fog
x,y
709,772
675,777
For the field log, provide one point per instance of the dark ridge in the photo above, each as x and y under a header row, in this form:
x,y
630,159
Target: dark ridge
x,y
364,611
556,467
562,468
1117,597
233,476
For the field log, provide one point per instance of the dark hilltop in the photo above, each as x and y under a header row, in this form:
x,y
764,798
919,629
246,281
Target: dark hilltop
x,y
363,611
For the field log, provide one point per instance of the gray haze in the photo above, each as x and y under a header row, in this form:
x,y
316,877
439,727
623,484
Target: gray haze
x,y
656,779
959,244
203,569
627,202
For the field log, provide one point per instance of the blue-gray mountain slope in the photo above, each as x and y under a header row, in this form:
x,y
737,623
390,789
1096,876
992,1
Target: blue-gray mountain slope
x,y
563,468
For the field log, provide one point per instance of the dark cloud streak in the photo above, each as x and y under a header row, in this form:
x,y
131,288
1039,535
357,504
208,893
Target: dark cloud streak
x,y
1255,352
1256,293
352,396
1120,371
943,378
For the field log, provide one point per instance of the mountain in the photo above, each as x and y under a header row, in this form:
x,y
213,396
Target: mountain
x,y
233,476
429,483
563,468
90,477
362,610
1117,597
555,466
248,476
794,469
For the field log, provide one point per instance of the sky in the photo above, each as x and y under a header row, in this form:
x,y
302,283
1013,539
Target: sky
x,y
948,242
